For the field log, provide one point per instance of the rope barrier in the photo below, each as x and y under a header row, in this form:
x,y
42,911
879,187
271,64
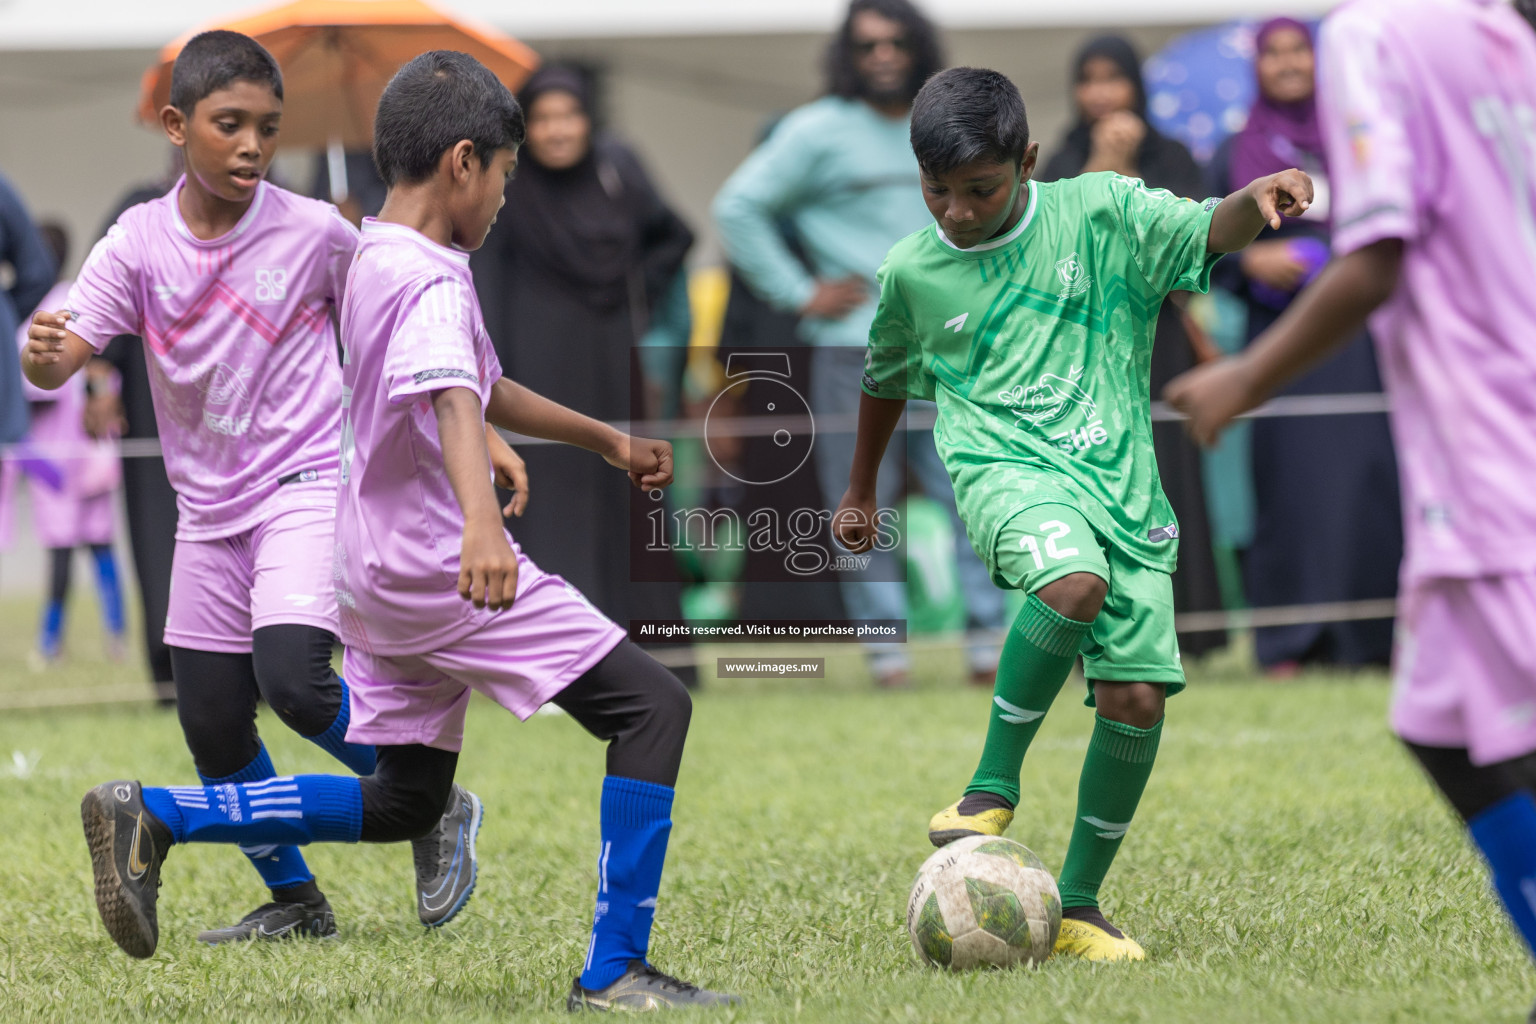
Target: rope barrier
x,y
695,655
767,426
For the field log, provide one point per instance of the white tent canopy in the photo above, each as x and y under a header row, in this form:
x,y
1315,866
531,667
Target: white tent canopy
x,y
83,24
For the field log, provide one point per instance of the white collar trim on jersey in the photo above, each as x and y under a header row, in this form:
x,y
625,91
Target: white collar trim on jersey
x,y
246,219
1018,229
371,226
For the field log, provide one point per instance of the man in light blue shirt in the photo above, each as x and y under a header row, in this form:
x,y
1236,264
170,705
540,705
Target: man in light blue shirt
x,y
840,174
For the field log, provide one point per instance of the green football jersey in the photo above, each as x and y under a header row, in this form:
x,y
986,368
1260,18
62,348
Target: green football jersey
x,y
1037,348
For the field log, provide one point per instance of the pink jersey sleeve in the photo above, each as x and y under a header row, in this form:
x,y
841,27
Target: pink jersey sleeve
x,y
105,297
1365,112
341,239
434,346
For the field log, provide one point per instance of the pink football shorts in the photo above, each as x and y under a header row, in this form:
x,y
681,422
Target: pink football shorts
x,y
1464,671
276,573
521,658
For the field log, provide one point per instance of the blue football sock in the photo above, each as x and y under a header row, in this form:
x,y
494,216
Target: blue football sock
x,y
279,866
53,629
285,810
1506,833
360,757
636,821
108,589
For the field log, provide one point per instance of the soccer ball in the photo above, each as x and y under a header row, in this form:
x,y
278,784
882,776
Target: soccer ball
x,y
983,900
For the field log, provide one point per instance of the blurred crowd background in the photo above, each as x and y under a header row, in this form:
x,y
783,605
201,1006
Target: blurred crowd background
x,y
701,179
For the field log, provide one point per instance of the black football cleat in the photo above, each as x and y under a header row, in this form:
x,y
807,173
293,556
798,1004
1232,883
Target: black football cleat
x,y
128,845
277,921
643,987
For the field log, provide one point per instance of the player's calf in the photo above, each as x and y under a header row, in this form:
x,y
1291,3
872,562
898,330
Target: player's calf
x,y
1037,656
1121,752
411,795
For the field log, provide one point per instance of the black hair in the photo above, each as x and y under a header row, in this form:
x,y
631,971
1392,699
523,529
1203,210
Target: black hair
x,y
1120,52
922,43
967,114
437,100
1528,9
212,60
56,237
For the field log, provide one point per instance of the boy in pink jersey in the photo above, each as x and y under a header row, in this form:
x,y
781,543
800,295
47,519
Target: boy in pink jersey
x,y
232,283
1429,115
436,598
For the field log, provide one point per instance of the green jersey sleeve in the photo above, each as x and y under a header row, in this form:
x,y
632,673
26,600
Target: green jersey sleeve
x,y
1167,235
893,364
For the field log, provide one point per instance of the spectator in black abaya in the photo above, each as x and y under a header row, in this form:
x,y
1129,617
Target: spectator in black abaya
x,y
580,255
1326,523
149,499
1111,133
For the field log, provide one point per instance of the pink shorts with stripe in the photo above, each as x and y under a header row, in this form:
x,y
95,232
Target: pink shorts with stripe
x,y
521,658
276,573
1464,671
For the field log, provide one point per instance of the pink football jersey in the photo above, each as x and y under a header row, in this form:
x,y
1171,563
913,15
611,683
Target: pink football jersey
x,y
411,325
242,356
1429,115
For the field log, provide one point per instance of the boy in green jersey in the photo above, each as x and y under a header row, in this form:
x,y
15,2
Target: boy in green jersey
x,y
1027,313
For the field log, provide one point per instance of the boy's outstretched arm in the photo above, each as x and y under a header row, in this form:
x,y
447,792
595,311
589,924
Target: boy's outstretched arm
x,y
1242,215
1325,315
853,524
487,565
53,353
648,461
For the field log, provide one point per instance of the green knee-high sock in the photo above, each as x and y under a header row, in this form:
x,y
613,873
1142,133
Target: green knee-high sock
x,y
1115,772
1037,656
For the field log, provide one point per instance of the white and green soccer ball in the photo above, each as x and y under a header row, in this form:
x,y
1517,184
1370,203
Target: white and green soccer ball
x,y
983,900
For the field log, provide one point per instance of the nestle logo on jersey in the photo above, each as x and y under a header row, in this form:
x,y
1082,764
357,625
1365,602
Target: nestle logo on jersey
x,y
230,426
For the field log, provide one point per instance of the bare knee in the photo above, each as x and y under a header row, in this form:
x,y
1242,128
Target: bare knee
x,y
1137,704
1077,595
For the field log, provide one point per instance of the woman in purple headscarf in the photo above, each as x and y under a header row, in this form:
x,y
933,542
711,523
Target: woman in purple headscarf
x,y
1326,524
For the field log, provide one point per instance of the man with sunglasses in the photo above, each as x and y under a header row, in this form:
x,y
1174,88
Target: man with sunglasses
x,y
838,177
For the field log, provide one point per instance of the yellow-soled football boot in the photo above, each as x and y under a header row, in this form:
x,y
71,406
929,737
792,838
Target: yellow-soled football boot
x,y
1092,942
949,824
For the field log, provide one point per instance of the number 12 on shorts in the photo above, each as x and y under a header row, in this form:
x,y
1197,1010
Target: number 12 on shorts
x,y
1054,530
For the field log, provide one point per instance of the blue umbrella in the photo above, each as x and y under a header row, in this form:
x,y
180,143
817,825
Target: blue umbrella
x,y
1200,86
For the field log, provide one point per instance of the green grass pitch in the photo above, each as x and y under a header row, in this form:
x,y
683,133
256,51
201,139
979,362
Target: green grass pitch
x,y
1288,864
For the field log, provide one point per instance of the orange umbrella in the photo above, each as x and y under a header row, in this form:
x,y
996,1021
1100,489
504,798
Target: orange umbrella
x,y
337,56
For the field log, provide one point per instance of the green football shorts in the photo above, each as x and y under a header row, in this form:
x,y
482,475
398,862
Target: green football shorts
x,y
1132,640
